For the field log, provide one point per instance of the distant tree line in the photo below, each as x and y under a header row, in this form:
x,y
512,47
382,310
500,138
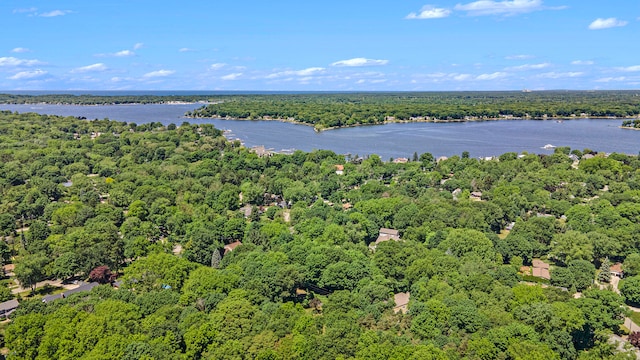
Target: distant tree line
x,y
631,123
348,109
68,99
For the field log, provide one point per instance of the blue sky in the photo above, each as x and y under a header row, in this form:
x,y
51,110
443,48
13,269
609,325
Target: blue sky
x,y
430,45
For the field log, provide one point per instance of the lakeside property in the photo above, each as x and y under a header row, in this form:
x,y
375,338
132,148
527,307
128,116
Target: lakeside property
x,y
392,120
330,111
391,140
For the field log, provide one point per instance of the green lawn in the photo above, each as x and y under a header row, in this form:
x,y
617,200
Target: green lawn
x,y
635,317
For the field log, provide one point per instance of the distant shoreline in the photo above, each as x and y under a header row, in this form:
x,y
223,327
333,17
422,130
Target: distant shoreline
x,y
321,129
318,128
114,104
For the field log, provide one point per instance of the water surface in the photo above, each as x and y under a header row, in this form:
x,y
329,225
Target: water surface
x,y
480,139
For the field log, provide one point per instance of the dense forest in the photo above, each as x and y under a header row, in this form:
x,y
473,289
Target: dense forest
x,y
339,110
208,251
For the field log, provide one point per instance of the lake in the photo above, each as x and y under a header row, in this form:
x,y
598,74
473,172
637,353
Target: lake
x,y
480,139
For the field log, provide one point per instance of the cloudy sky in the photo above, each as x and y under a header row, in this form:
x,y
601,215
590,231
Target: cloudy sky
x,y
320,45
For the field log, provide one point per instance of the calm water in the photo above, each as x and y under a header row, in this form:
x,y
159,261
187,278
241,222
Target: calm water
x,y
392,140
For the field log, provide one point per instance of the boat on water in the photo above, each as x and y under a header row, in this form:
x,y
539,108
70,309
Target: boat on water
x,y
548,147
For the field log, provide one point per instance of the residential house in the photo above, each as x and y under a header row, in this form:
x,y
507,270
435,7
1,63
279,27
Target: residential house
x,y
230,247
49,298
402,302
246,211
339,169
82,288
7,308
616,270
385,235
541,269
261,151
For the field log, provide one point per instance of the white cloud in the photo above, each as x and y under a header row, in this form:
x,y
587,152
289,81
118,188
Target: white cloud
x,y
124,53
436,75
138,46
232,76
90,68
217,66
159,73
489,7
582,62
609,79
461,77
55,13
360,62
492,76
28,75
557,75
185,49
526,67
20,50
11,61
429,12
600,23
519,57
371,81
25,10
629,68
303,72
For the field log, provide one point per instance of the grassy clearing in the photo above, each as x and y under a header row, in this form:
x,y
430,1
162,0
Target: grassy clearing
x,y
635,317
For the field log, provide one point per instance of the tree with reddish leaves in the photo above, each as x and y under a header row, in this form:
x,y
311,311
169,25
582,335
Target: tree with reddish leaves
x,y
101,274
634,339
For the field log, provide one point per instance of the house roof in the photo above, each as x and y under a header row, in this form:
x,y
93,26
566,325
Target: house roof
x,y
232,246
391,232
9,305
9,267
541,269
537,263
246,210
81,288
385,235
50,298
617,267
541,273
401,298
340,167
